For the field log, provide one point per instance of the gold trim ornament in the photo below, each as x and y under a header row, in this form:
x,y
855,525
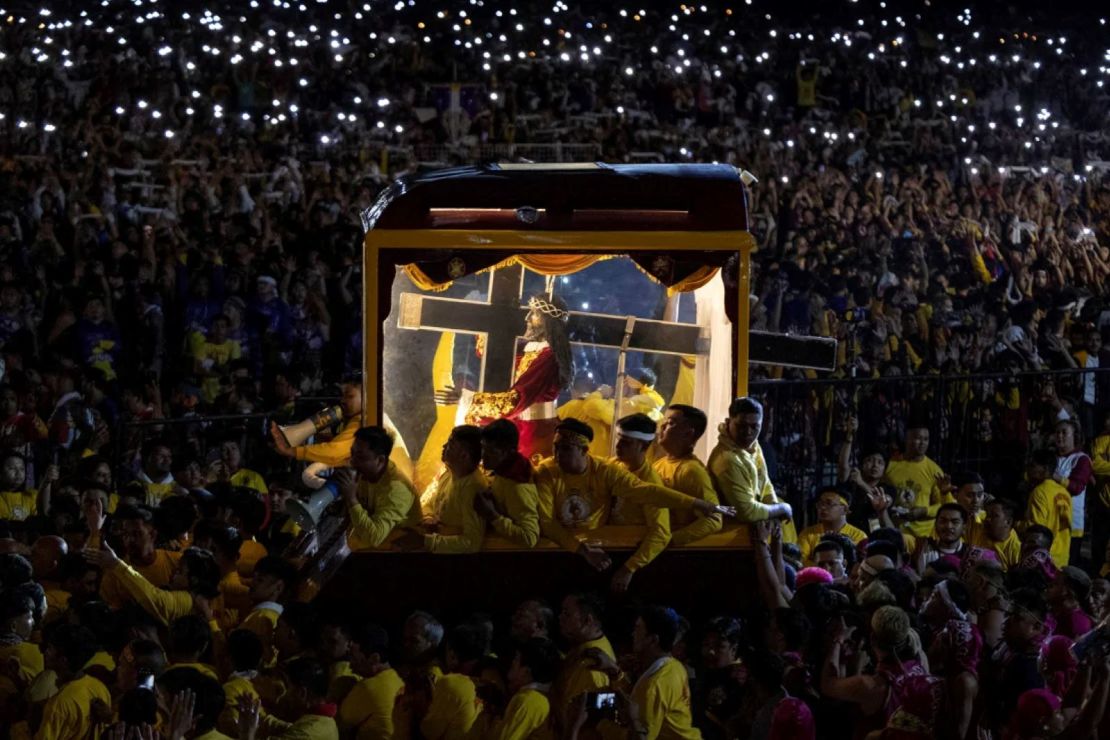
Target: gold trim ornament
x,y
547,308
456,268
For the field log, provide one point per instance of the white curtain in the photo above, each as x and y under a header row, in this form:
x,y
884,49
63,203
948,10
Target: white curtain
x,y
713,387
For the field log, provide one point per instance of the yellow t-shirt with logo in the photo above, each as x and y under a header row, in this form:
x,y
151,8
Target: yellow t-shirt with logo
x,y
663,696
1050,506
582,501
18,505
919,477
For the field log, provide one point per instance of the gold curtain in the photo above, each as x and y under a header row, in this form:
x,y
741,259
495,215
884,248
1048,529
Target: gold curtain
x,y
561,264
544,264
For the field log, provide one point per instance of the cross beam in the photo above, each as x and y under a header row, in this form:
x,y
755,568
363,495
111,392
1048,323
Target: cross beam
x,y
501,318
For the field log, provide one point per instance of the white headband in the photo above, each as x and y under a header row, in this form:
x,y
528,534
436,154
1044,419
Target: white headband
x,y
642,436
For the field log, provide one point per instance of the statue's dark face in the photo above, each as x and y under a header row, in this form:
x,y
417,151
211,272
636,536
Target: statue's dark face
x,y
534,327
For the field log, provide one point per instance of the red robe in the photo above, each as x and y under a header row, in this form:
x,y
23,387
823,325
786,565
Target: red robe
x,y
527,403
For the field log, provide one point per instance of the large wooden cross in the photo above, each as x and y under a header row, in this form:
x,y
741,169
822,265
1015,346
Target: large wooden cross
x,y
501,319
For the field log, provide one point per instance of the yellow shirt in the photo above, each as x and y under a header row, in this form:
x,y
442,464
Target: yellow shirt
x,y
368,707
234,689
250,479
1050,506
29,657
528,716
250,552
810,537
582,502
454,710
656,521
57,601
382,507
341,679
309,727
216,735
577,675
68,714
335,452
690,476
220,354
1008,550
166,606
663,696
157,490
1100,463
216,357
920,477
262,621
202,668
18,505
450,500
597,413
520,502
158,574
236,595
741,479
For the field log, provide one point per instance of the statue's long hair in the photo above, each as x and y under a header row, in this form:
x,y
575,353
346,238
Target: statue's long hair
x,y
555,333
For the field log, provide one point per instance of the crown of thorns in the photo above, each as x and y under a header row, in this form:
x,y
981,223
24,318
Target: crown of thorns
x,y
547,307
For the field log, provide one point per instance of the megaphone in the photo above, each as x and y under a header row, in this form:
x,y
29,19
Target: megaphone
x,y
296,434
307,513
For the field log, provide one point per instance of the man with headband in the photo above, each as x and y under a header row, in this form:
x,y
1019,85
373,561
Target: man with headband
x,y
635,433
545,369
577,491
833,506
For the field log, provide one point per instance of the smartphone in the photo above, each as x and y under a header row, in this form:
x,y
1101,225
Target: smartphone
x,y
600,704
147,682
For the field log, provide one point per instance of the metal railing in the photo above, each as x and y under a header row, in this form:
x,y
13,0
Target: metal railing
x,y
201,436
985,422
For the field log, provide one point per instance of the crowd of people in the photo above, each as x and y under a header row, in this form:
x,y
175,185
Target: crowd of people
x,y
180,200
918,605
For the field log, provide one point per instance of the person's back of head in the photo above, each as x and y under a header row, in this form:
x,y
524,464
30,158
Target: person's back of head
x,y
371,639
204,572
540,656
280,569
891,536
377,439
225,540
501,433
209,699
900,585
174,517
14,570
147,658
138,707
244,648
248,509
73,644
309,675
663,623
190,637
794,626
303,621
467,642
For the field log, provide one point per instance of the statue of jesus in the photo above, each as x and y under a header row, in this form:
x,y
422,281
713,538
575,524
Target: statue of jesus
x,y
542,371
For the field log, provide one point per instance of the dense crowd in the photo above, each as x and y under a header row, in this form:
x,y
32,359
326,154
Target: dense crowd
x,y
180,193
917,606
